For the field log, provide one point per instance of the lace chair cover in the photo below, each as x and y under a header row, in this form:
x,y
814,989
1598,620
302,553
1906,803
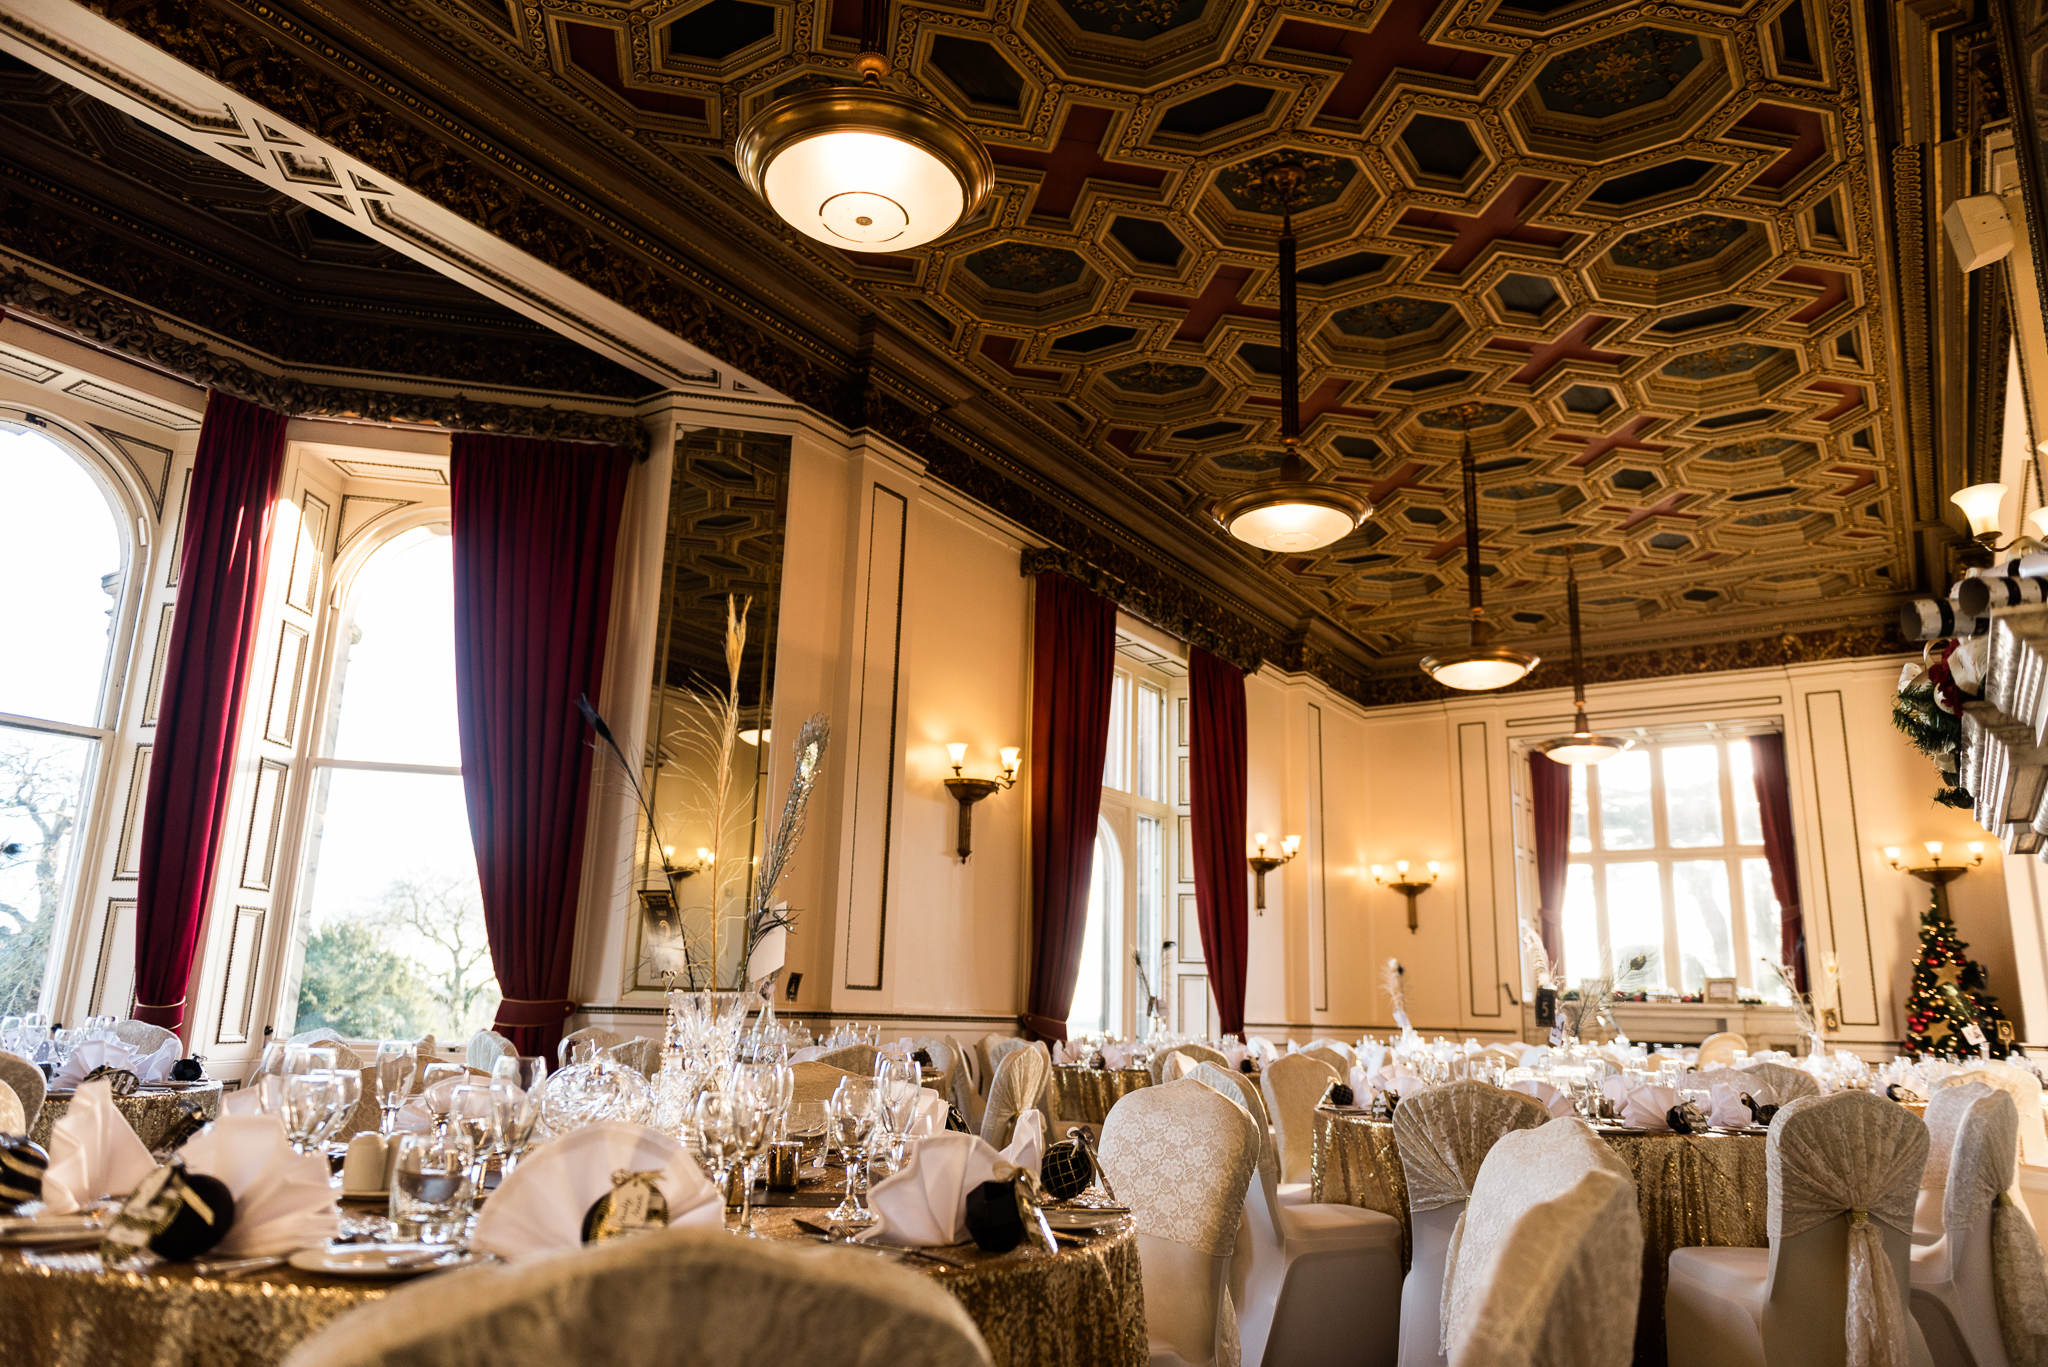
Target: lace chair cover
x,y
1200,1053
27,1082
1344,1051
2025,1090
996,1048
1548,1266
966,1083
1182,1156
1851,1152
816,1081
1720,1049
1945,1111
627,1303
854,1058
1293,1084
1786,1084
486,1047
565,1052
1020,1079
1981,1173
641,1053
141,1036
1238,1087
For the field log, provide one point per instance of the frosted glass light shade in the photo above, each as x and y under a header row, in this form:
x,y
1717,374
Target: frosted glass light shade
x,y
1584,748
1292,526
1980,504
1475,671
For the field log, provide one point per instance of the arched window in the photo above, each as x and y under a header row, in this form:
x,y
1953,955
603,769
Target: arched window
x,y
63,549
391,911
1095,989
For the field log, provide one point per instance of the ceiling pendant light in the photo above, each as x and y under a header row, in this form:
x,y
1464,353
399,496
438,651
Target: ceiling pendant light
x,y
1290,512
862,167
1479,666
1581,746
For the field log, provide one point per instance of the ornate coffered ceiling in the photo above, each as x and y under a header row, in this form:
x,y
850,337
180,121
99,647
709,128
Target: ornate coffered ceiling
x,y
1644,258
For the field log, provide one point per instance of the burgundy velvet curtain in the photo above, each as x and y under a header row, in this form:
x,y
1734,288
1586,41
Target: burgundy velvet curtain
x,y
535,526
1073,664
1216,801
199,712
1550,787
1774,802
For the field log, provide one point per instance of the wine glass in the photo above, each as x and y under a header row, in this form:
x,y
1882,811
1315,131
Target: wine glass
x,y
479,1113
527,1073
805,1121
397,1063
853,1122
433,1095
348,1093
308,1102
716,1142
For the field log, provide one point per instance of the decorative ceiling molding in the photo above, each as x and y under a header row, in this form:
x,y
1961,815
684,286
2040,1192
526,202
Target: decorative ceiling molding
x,y
1175,615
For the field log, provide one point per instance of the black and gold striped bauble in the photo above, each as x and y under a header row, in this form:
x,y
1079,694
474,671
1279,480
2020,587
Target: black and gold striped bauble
x,y
21,1171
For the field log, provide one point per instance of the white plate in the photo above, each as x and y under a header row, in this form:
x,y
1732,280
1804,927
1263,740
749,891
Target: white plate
x,y
372,1261
1075,1220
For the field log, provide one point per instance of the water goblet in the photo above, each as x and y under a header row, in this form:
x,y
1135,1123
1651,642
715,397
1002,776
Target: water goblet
x,y
712,1118
431,1194
853,1123
307,1105
806,1121
348,1093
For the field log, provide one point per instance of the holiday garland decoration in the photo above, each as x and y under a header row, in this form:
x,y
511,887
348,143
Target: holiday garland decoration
x,y
1948,993
1929,706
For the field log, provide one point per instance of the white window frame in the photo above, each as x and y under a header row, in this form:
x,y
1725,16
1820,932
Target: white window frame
x,y
1123,809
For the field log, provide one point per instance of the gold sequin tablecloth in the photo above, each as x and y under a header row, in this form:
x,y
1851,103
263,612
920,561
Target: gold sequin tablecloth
x,y
1085,1095
1084,1307
1692,1191
150,1111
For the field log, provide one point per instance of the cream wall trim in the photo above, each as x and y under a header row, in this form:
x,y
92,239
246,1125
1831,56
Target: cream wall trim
x,y
1479,835
872,737
1832,819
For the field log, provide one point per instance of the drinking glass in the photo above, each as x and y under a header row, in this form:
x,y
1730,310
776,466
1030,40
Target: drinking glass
x,y
434,1098
307,1105
716,1142
527,1073
853,1121
805,1121
348,1093
397,1063
431,1194
481,1112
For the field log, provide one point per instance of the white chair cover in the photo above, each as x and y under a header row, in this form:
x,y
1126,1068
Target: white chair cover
x,y
629,1303
13,1119
1181,1156
315,1036
641,1053
1945,1111
141,1036
1337,1061
486,1047
1786,1084
1720,1049
565,1052
854,1058
996,1048
1199,1053
2025,1089
1548,1267
816,1081
1293,1084
967,1084
27,1082
1019,1081
1986,1238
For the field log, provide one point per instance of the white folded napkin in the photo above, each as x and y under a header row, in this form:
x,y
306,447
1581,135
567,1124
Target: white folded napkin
x,y
1371,1057
1725,1105
925,1201
1261,1049
931,1113
244,1100
282,1200
1555,1100
1649,1107
1235,1055
149,1068
1027,1141
94,1152
1118,1056
1615,1088
541,1206
1401,1082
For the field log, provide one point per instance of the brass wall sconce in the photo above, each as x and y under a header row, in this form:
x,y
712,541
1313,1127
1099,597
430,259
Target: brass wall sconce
x,y
1405,885
705,859
968,791
1263,863
1935,873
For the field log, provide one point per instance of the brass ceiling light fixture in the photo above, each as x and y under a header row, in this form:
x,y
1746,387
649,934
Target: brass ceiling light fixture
x,y
1479,666
1581,746
862,167
1291,512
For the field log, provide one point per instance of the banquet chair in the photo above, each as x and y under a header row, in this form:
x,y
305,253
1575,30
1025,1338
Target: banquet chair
x,y
1199,1053
1324,1053
641,1053
1045,1093
1349,1054
967,1084
816,1081
854,1058
1720,1049
1182,1157
1502,1054
1293,1084
141,1036
1987,1245
996,1048
321,1035
1314,1282
565,1052
486,1047
27,1082
1019,1081
2025,1090
1786,1084
13,1119
1843,1170
1443,1136
1548,1266
632,1302
1945,1110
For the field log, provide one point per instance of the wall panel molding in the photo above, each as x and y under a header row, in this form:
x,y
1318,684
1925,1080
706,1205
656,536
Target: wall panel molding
x,y
874,747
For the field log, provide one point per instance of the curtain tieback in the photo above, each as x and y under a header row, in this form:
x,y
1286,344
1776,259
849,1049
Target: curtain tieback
x,y
162,1006
520,1011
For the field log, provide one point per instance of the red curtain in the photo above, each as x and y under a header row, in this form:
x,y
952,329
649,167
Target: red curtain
x,y
1550,786
535,525
1216,793
1073,664
206,673
1774,802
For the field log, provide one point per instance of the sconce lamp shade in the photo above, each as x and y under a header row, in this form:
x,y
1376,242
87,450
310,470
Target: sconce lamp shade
x,y
1980,504
863,168
1478,669
2037,522
1293,517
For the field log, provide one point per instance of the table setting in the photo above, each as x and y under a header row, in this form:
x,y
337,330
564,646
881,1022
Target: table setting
x,y
153,1087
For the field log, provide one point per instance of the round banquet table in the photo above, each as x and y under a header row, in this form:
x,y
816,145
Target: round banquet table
x,y
1692,1191
1085,1095
1081,1307
151,1111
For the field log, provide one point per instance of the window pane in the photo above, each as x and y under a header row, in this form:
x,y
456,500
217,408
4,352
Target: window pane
x,y
1581,842
1692,794
1625,822
395,932
394,683
1581,926
1150,725
1749,822
1116,759
1706,940
60,555
43,780
1151,880
1093,1000
1635,917
1766,922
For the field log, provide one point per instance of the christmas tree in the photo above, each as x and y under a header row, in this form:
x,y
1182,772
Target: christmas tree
x,y
1948,993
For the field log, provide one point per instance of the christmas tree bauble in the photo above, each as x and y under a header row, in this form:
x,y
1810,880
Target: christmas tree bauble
x,y
1066,1171
21,1171
205,1212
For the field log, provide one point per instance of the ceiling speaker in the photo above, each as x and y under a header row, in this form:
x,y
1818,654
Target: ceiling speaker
x,y
1979,230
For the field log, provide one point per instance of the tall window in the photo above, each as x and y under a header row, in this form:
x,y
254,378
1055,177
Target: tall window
x,y
1095,989
393,914
62,551
1135,818
1667,862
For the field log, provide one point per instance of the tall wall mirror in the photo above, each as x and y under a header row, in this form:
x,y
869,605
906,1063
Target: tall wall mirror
x,y
709,728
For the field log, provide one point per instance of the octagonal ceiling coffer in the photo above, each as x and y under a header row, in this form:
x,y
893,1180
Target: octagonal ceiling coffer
x,y
715,32
978,73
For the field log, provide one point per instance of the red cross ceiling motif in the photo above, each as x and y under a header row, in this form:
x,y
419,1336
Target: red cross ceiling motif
x,y
1624,440
1668,507
1327,398
1217,301
1394,44
1076,157
1501,220
1572,346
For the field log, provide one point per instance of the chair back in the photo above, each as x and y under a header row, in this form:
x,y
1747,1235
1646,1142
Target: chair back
x,y
1549,1265
1182,1156
2025,1090
1200,1053
815,1081
996,1048
141,1036
486,1047
13,1119
854,1058
623,1303
324,1034
1020,1079
1238,1087
967,1083
565,1052
1983,1163
27,1082
1293,1084
641,1053
1720,1049
1326,1054
1843,1172
1945,1111
1787,1084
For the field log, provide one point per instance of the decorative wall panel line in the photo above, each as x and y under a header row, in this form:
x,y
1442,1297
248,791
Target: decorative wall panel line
x,y
113,974
238,988
131,816
1839,859
1475,879
288,672
159,655
302,588
874,776
266,819
1318,875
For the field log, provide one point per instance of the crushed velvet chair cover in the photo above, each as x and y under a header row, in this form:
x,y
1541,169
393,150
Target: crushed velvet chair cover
x,y
565,1052
1197,1053
1787,1084
854,1058
1720,1049
325,1033
1443,1136
1983,1281
2025,1090
1547,1269
27,1083
1019,1082
1833,1286
816,1081
1182,1157
486,1047
141,1036
1293,1084
635,1302
1945,1110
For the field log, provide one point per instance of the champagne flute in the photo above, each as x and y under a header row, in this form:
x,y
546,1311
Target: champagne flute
x,y
397,1063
